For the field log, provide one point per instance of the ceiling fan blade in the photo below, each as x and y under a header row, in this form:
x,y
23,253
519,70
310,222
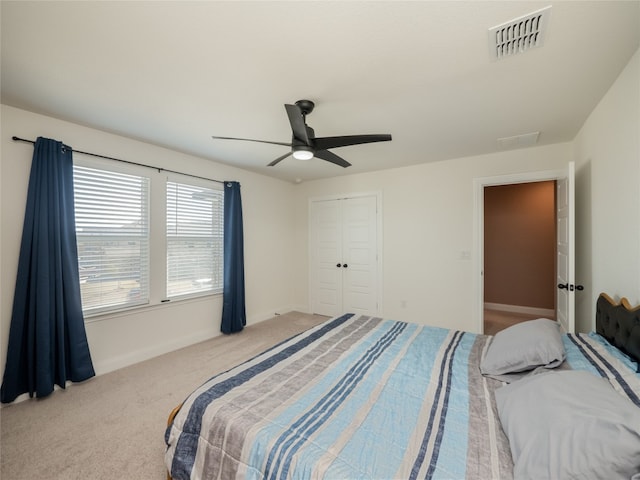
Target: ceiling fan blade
x,y
334,142
332,157
251,140
277,160
298,126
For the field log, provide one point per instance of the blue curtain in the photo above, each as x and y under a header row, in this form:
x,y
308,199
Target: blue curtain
x,y
47,340
234,316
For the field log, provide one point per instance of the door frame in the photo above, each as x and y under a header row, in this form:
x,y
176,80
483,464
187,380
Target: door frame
x,y
379,239
479,185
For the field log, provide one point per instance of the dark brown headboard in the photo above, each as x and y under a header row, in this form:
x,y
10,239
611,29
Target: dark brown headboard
x,y
619,324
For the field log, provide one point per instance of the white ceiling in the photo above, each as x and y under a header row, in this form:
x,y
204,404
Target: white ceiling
x,y
175,73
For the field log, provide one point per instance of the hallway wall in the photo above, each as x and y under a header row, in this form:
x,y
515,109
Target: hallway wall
x,y
520,244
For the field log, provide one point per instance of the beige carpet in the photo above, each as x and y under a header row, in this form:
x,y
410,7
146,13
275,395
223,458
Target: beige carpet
x,y
496,320
112,427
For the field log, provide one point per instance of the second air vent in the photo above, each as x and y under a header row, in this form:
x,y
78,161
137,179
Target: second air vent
x,y
519,35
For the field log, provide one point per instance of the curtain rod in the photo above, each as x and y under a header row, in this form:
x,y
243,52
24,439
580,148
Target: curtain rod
x,y
18,139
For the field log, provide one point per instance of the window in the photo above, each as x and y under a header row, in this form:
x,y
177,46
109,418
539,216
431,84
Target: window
x,y
145,238
194,239
112,229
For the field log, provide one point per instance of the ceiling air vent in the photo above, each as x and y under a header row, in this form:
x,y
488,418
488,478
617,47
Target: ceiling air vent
x,y
519,141
519,34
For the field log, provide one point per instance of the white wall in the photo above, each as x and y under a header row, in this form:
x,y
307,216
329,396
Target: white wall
x,y
607,156
119,340
428,216
427,224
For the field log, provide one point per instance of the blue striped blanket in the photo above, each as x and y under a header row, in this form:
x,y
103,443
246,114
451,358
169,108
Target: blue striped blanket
x,y
355,397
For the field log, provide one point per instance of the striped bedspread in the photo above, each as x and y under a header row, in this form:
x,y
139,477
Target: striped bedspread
x,y
354,398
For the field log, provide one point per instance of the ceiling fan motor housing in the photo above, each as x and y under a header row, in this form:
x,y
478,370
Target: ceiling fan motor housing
x,y
305,106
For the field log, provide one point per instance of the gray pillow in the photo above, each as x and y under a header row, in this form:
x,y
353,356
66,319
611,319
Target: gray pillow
x,y
523,347
569,425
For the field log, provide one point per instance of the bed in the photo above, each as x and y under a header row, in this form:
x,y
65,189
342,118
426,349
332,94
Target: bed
x,y
369,398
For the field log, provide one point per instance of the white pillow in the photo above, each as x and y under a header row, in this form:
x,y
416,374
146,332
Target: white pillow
x,y
569,425
523,347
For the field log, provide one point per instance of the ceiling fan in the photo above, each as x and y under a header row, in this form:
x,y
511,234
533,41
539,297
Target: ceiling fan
x,y
304,144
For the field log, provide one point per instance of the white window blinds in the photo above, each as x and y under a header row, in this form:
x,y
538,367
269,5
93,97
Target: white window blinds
x,y
194,239
112,229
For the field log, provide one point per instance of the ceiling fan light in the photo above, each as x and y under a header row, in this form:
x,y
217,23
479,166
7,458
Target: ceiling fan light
x,y
303,153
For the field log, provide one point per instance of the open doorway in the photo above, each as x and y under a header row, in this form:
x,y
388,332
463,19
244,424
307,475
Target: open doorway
x,y
565,247
519,253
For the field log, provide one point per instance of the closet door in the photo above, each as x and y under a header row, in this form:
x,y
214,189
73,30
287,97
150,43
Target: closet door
x,y
359,255
326,257
344,256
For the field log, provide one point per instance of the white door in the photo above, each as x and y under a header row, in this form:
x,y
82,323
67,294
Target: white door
x,y
326,257
344,256
565,305
566,253
359,256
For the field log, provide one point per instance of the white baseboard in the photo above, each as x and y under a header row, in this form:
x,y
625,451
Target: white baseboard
x,y
145,354
261,317
141,355
301,308
276,311
542,312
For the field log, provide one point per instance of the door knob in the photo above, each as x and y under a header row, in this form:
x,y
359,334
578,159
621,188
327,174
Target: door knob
x,y
345,265
338,265
570,287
